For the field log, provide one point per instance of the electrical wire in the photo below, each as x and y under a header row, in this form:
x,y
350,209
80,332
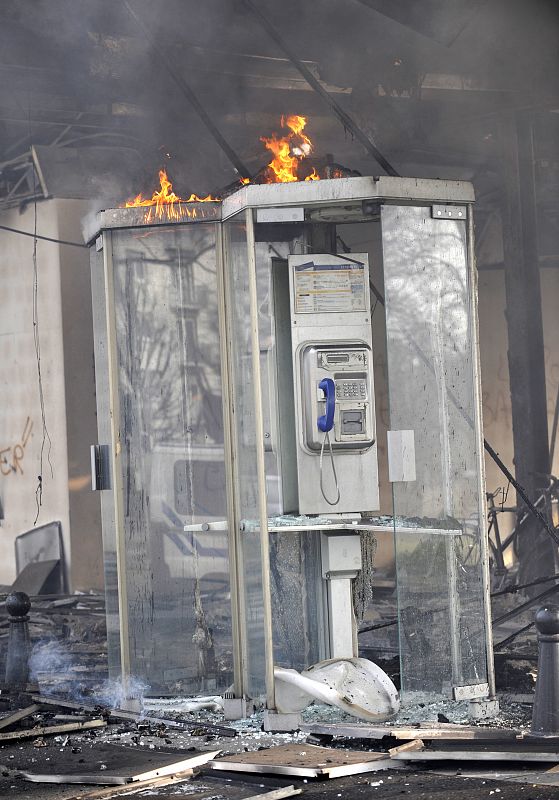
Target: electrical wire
x,y
36,236
326,440
45,440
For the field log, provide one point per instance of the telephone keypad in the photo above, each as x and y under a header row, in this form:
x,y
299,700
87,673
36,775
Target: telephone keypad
x,y
351,390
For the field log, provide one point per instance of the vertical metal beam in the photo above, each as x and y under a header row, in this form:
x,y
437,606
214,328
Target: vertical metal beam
x,y
260,463
116,461
478,427
238,616
535,551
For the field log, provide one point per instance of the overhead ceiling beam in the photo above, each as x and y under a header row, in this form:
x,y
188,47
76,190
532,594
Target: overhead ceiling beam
x,y
347,121
187,92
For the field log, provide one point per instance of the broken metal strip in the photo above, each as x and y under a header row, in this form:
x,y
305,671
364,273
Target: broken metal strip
x,y
480,755
426,731
19,715
382,761
346,120
184,766
129,788
118,713
47,730
276,794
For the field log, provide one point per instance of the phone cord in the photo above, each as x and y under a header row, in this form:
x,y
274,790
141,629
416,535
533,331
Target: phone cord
x,y
337,500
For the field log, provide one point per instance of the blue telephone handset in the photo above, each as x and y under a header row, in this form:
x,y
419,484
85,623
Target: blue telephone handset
x,y
326,421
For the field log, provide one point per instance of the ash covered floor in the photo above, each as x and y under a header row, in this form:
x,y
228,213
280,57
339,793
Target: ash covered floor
x,y
75,625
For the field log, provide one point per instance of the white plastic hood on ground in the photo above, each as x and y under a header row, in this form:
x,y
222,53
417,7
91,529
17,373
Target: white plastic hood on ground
x,y
355,685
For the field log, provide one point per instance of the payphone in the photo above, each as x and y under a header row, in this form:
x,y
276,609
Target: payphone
x,y
332,358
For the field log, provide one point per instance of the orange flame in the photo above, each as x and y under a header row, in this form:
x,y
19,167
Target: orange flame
x,y
166,203
286,166
289,151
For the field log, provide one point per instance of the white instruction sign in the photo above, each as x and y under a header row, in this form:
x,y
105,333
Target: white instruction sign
x,y
322,288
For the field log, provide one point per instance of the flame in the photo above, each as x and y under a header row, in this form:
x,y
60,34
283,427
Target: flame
x,y
289,151
286,166
166,203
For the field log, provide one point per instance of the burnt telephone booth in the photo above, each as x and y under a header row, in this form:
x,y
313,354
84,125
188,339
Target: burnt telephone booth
x,y
282,379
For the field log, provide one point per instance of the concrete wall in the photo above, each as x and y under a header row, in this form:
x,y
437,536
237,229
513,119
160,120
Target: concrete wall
x,y
64,432
81,419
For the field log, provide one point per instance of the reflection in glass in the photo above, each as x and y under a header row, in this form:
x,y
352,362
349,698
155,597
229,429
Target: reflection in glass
x,y
431,391
172,457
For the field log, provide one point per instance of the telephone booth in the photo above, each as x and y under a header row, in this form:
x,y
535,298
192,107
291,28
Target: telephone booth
x,y
284,379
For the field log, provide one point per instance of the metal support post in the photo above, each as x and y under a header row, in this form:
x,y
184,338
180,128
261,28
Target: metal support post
x,y
17,657
536,553
545,716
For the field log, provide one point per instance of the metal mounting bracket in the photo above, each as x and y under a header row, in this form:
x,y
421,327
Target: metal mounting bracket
x,y
449,212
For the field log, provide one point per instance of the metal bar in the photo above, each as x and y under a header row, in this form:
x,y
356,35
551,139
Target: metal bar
x,y
528,604
521,492
346,120
519,520
66,130
17,184
238,619
513,636
515,589
260,463
43,238
240,167
478,427
510,590
378,626
116,464
554,430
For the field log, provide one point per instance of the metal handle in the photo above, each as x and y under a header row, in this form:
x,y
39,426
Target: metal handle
x,y
100,475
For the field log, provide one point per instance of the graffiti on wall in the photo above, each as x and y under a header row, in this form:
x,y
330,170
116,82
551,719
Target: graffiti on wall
x,y
12,456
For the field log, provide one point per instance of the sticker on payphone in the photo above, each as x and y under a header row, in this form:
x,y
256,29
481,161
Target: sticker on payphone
x,y
323,288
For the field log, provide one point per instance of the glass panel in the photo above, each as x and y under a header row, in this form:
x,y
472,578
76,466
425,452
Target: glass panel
x,y
244,435
171,435
431,391
298,620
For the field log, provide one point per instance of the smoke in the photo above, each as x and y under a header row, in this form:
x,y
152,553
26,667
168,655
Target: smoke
x,y
376,57
49,658
60,672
